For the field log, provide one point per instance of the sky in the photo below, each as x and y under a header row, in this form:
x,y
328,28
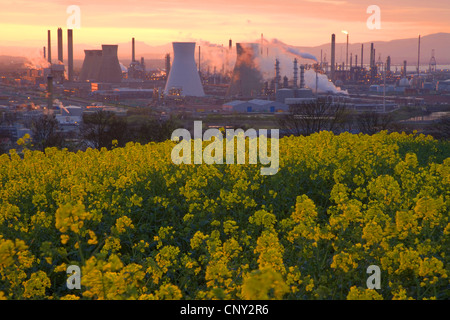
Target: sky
x,y
158,22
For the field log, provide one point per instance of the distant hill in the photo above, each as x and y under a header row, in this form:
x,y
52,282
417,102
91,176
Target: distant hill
x,y
399,50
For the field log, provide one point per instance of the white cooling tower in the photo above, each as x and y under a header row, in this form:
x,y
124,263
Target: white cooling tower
x,y
183,72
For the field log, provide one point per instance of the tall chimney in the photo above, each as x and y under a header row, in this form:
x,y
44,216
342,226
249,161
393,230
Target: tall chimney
x,y
49,47
49,91
362,56
60,45
295,73
371,55
230,44
70,54
44,53
418,58
333,55
302,76
388,64
277,74
404,68
133,57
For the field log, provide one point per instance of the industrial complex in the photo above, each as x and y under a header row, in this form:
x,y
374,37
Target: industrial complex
x,y
250,81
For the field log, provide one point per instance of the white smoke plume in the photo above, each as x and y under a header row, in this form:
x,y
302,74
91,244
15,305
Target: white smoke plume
x,y
36,60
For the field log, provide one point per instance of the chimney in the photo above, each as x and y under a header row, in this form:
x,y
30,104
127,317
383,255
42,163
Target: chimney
x,y
371,55
418,58
277,74
404,69
230,44
333,55
142,63
49,91
44,53
133,57
60,45
388,64
70,54
302,76
49,47
362,56
295,73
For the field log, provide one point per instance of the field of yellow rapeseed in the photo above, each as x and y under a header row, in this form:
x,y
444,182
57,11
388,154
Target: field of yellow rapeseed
x,y
140,227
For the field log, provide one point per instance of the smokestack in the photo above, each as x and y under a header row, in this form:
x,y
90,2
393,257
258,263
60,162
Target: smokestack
x,y
295,73
404,69
133,57
418,58
346,59
388,64
371,55
262,40
230,44
49,91
143,63
356,61
70,54
351,60
302,76
362,56
277,74
49,47
45,57
60,45
333,55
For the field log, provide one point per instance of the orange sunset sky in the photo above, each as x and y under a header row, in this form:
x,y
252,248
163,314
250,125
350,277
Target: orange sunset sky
x,y
157,22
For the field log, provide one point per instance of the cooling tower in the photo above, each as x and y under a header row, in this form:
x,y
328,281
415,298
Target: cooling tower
x,y
91,65
110,70
247,79
183,72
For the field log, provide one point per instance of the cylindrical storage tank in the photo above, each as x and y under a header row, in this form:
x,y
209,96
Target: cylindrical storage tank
x,y
183,72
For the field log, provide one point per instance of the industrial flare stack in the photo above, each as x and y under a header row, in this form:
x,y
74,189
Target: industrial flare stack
x,y
183,72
